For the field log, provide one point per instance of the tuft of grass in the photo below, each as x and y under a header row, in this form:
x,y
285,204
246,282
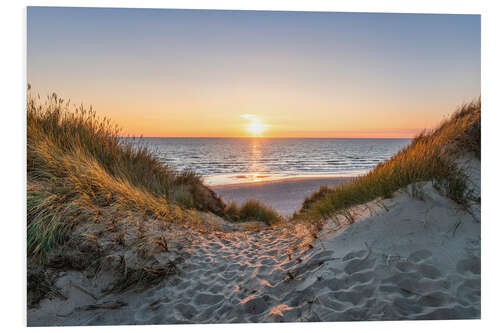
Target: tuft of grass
x,y
253,210
232,211
77,166
431,156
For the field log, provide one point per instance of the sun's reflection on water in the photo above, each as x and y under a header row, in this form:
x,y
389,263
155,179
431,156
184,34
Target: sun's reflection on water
x,y
256,167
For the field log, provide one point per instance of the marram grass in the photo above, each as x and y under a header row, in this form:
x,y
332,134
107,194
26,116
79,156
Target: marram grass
x,y
253,210
77,166
431,156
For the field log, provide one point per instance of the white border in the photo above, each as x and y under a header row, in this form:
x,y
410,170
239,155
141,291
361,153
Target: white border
x,y
13,203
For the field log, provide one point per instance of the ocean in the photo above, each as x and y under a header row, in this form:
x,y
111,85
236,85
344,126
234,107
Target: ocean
x,y
238,160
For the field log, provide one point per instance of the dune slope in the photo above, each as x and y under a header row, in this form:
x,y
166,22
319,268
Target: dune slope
x,y
413,256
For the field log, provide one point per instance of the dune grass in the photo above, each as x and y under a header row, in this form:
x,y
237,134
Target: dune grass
x,y
253,210
77,166
431,156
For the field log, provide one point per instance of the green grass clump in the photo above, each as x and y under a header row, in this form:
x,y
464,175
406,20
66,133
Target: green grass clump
x,y
431,156
77,166
253,210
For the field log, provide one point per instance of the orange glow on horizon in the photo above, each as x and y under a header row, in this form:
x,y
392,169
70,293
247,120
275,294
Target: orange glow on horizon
x,y
255,127
295,124
138,116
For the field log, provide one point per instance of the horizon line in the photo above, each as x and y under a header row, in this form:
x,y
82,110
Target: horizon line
x,y
259,137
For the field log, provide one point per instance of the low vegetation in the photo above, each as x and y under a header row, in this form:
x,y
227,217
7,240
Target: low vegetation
x,y
431,156
77,166
253,210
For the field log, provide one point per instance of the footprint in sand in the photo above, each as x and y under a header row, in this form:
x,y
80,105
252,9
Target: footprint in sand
x,y
355,255
434,299
355,295
208,299
404,266
336,284
429,271
457,312
331,302
358,265
186,310
362,277
407,307
469,265
302,297
419,256
257,305
470,290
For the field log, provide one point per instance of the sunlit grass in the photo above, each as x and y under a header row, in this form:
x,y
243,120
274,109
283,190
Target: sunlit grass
x,y
77,166
431,156
253,210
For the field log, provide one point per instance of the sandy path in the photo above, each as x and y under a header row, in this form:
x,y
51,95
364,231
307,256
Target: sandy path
x,y
413,259
286,196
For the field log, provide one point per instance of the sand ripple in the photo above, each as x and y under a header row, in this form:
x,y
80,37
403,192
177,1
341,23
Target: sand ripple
x,y
386,267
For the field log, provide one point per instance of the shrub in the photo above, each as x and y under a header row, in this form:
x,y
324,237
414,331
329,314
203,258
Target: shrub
x,y
253,210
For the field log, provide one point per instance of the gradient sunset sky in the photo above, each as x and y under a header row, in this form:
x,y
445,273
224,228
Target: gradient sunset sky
x,y
199,73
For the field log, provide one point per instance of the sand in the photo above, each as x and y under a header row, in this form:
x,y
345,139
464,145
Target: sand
x,y
286,196
413,256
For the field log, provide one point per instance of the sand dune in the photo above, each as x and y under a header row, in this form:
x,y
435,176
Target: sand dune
x,y
408,257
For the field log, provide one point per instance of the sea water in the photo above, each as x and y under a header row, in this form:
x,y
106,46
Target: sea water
x,y
238,160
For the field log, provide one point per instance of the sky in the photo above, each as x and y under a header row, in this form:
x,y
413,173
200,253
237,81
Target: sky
x,y
211,73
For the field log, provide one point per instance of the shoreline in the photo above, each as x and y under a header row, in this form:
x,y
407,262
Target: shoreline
x,y
283,180
284,195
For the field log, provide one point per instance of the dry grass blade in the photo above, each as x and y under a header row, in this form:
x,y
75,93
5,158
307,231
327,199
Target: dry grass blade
x,y
79,165
431,156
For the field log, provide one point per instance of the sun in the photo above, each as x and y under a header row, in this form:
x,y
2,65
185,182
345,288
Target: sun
x,y
255,127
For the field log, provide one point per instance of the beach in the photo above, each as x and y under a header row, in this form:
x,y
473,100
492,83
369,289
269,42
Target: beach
x,y
405,257
285,195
